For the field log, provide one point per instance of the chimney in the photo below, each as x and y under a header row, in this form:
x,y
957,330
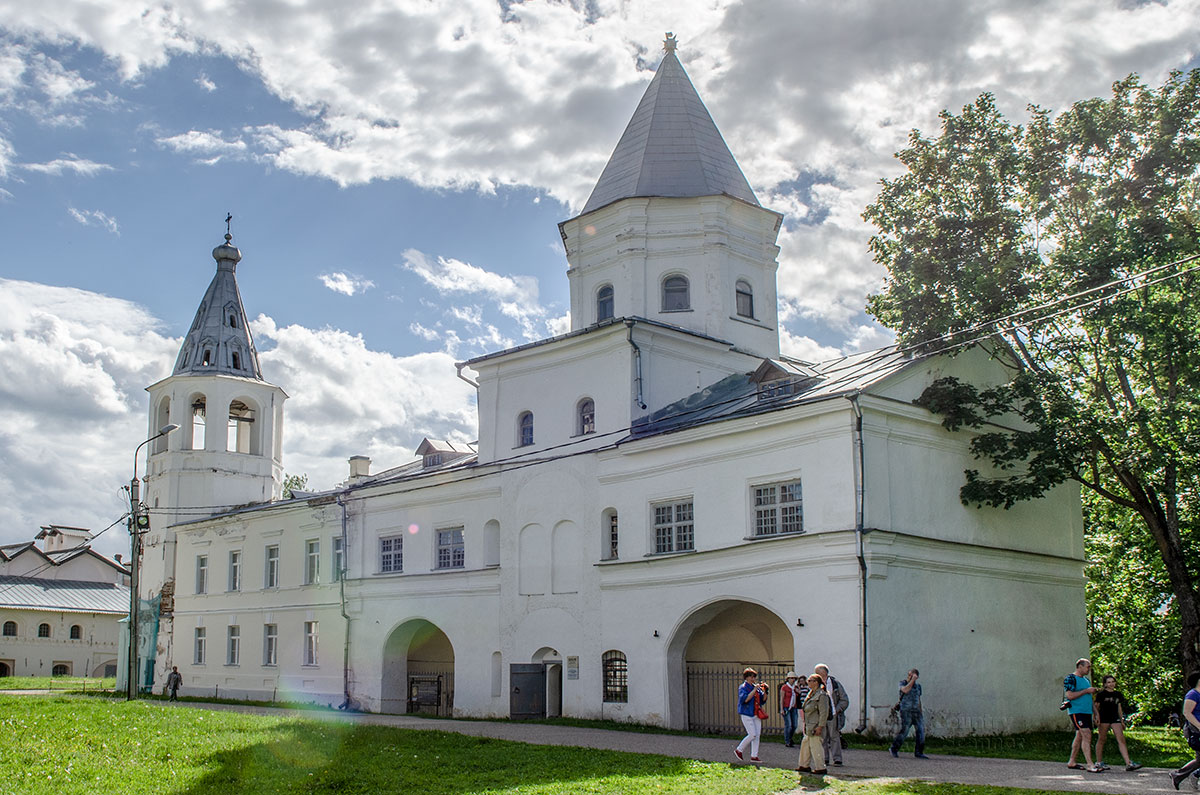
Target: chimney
x,y
360,466
117,558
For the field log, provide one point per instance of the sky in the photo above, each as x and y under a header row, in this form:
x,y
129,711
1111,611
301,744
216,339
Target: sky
x,y
396,170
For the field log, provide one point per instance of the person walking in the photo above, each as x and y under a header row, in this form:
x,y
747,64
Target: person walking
x,y
791,696
911,715
817,710
838,704
1110,713
174,682
1077,692
749,708
1191,729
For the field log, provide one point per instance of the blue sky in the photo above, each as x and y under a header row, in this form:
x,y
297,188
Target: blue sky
x,y
396,172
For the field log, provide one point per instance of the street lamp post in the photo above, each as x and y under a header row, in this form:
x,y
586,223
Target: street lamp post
x,y
135,553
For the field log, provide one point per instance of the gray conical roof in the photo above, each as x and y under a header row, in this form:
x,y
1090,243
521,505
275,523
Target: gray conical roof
x,y
671,147
219,340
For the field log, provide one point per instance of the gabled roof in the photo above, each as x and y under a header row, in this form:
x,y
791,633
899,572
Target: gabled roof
x,y
671,146
443,446
219,328
70,596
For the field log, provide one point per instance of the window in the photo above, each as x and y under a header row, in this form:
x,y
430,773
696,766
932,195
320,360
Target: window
x,y
233,645
202,574
207,358
525,429
312,562
235,570
616,677
271,574
43,630
76,632
744,296
233,321
450,550
778,508
200,651
391,554
673,528
237,363
310,642
675,294
270,644
339,560
431,460
604,303
613,535
10,629
587,417
60,669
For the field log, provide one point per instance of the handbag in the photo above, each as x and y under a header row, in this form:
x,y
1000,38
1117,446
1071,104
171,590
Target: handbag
x,y
759,712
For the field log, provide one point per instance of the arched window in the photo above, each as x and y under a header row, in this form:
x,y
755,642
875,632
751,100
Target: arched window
x,y
237,362
241,436
76,632
675,294
586,417
207,360
616,677
43,630
525,429
745,298
164,416
233,321
610,536
604,303
194,437
10,629
60,669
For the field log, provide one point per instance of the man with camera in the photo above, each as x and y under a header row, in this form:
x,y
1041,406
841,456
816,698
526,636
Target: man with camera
x,y
1077,696
909,707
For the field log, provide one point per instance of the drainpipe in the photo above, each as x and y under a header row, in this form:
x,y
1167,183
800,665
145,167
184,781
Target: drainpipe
x,y
342,591
637,355
860,508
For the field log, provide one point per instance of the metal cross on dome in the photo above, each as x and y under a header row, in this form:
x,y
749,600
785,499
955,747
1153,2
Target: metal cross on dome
x,y
228,219
669,44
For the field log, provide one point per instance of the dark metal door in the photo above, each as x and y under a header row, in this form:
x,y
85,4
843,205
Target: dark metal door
x,y
527,691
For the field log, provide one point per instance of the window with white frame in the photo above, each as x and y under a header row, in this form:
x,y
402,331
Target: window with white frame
x,y
271,571
310,642
233,645
616,677
778,508
674,530
391,554
675,296
312,562
199,646
587,417
202,574
744,296
235,570
270,644
525,429
612,535
451,552
339,560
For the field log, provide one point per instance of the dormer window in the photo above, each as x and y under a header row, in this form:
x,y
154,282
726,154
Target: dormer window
x,y
525,429
207,360
587,417
431,460
233,321
675,294
237,362
604,303
744,296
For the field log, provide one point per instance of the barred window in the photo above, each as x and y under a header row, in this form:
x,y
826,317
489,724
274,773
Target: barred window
x,y
391,554
43,630
616,677
10,629
673,527
451,553
76,632
778,508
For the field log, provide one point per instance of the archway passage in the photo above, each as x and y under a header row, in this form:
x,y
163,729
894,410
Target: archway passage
x,y
5,670
707,655
418,670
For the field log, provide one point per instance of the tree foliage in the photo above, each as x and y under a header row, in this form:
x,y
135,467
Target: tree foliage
x,y
992,220
293,483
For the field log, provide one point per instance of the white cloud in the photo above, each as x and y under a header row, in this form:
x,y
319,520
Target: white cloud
x,y
57,167
95,218
57,83
203,143
205,83
345,283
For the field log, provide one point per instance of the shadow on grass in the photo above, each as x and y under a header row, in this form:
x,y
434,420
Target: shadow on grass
x,y
303,757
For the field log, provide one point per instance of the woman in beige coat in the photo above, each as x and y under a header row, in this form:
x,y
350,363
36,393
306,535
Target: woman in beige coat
x,y
816,715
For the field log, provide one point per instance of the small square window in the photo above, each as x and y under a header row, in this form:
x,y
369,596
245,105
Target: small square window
x,y
674,529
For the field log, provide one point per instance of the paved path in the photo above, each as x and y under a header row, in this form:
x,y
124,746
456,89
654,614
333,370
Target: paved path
x,y
859,763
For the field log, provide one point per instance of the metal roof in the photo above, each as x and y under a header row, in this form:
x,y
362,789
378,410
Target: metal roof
x,y
68,596
671,147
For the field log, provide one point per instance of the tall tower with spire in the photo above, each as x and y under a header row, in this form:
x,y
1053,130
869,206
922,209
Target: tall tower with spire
x,y
673,231
228,449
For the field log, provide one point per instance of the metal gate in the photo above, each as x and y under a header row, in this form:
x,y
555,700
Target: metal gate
x,y
430,689
712,695
527,691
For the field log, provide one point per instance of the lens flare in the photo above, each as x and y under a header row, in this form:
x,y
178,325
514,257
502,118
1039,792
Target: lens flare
x,y
413,529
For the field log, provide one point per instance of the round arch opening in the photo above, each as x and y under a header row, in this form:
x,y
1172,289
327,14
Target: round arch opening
x,y
418,670
707,654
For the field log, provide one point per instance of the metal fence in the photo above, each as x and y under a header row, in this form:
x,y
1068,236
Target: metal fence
x,y
712,695
431,689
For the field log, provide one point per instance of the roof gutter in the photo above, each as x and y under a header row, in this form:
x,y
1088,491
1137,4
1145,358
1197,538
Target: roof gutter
x,y
860,508
458,368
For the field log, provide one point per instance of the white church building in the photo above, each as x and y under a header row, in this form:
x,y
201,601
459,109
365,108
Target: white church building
x,y
656,499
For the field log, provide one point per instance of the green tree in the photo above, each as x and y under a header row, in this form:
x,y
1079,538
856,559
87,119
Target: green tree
x,y
293,483
992,218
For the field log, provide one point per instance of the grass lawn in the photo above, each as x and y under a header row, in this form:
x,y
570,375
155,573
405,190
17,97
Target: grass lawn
x,y
62,745
56,683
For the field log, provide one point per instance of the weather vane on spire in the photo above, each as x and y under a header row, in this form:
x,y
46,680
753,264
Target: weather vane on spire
x,y
669,44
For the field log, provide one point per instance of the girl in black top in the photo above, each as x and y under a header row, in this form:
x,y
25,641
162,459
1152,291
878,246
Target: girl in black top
x,y
1110,711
